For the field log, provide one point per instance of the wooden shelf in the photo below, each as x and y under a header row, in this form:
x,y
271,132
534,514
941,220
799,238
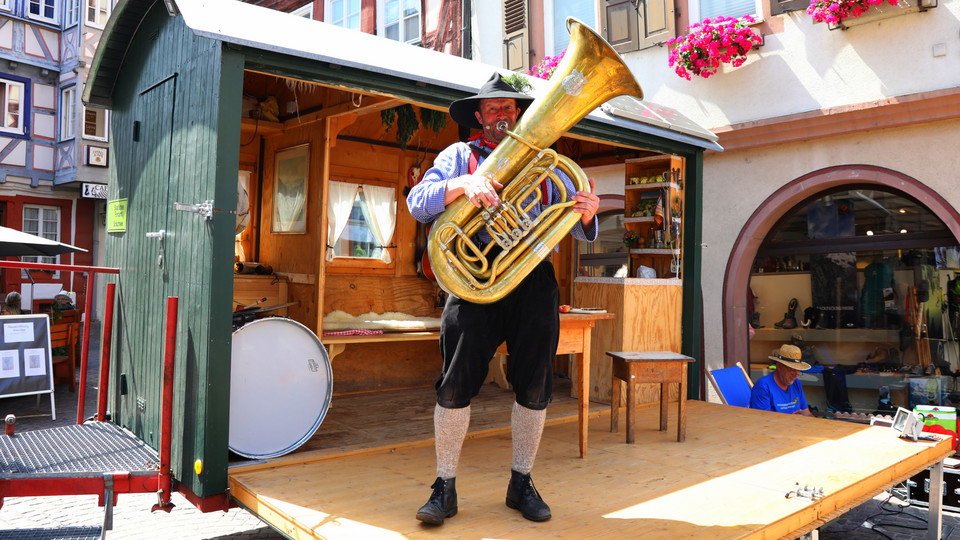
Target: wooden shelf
x,y
645,219
262,127
652,186
655,251
860,335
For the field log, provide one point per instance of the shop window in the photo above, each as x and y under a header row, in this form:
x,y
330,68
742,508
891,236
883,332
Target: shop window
x,y
607,255
866,282
95,124
362,221
13,103
400,20
68,113
43,10
97,13
42,221
556,12
345,13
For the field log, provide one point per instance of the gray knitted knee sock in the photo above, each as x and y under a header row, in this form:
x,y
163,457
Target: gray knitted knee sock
x,y
449,428
527,427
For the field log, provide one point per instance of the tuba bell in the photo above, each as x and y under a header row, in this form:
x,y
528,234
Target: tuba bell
x,y
590,73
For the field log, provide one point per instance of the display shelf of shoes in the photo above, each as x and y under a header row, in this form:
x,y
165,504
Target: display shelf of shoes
x,y
828,335
647,180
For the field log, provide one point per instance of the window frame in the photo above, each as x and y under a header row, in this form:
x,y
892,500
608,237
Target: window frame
x,y
5,5
693,8
549,32
22,130
305,11
68,113
71,14
328,14
106,125
373,266
382,22
104,6
43,4
41,208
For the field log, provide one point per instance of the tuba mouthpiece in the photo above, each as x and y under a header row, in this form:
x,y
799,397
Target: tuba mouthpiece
x,y
502,126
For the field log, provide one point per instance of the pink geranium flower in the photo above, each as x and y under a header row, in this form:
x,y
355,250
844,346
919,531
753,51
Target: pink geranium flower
x,y
834,11
709,43
545,68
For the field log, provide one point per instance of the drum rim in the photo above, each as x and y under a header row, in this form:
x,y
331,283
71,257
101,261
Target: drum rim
x,y
327,399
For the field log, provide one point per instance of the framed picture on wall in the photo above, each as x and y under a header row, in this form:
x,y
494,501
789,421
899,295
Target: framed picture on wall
x,y
290,174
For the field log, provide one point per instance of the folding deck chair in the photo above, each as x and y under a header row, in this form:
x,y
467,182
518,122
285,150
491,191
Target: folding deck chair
x,y
732,384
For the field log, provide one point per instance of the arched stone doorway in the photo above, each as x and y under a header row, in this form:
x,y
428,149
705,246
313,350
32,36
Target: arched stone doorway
x,y
760,223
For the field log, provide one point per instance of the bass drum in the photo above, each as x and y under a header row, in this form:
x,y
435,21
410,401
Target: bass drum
x,y
280,387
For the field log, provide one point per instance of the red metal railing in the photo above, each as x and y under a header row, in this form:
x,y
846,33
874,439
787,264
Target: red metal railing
x,y
105,348
91,271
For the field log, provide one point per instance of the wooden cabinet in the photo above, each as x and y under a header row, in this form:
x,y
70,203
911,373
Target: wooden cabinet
x,y
653,209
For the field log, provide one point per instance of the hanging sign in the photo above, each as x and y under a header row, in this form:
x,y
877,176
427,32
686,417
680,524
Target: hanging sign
x,y
117,215
93,191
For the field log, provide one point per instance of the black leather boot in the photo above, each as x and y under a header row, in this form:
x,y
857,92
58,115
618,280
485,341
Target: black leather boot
x,y
522,496
790,317
442,503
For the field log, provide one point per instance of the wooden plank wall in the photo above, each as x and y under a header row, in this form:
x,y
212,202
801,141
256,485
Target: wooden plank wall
x,y
647,319
165,122
351,285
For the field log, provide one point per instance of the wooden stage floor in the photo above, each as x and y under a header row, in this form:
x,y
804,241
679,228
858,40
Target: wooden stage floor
x,y
366,472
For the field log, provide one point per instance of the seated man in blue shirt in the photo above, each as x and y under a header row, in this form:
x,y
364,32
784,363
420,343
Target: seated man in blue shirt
x,y
780,391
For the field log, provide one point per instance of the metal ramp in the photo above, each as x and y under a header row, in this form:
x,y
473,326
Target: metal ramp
x,y
96,458
62,533
92,448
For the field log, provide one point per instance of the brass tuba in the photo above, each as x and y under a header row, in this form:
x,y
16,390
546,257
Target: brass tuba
x,y
590,74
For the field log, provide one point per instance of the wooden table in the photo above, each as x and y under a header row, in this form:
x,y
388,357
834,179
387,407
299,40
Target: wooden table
x,y
664,367
575,330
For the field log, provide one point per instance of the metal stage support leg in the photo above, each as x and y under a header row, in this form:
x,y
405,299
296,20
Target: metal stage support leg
x,y
935,510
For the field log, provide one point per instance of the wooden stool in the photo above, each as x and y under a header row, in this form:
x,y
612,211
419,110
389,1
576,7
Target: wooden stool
x,y
649,367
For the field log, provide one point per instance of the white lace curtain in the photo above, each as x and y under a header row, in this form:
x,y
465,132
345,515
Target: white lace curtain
x,y
339,206
380,212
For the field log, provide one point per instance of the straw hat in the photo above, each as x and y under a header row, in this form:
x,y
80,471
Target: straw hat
x,y
789,355
462,110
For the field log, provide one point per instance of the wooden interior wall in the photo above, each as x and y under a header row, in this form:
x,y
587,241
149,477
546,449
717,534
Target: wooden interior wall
x,y
294,255
361,151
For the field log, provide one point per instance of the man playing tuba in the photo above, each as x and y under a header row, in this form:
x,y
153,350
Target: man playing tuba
x,y
527,318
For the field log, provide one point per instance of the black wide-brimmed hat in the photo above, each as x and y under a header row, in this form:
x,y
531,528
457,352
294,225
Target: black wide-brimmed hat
x,y
462,110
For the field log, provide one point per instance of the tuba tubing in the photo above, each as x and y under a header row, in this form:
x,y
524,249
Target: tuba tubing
x,y
590,74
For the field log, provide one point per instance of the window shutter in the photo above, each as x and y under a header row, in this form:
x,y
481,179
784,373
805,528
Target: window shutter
x,y
516,35
657,23
782,6
620,25
631,25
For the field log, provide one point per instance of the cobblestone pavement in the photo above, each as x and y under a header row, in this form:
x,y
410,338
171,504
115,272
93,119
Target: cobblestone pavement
x,y
43,518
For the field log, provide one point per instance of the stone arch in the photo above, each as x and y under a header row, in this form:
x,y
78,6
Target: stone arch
x,y
737,274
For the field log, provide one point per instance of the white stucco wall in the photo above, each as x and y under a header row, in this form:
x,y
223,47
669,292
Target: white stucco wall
x,y
807,67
